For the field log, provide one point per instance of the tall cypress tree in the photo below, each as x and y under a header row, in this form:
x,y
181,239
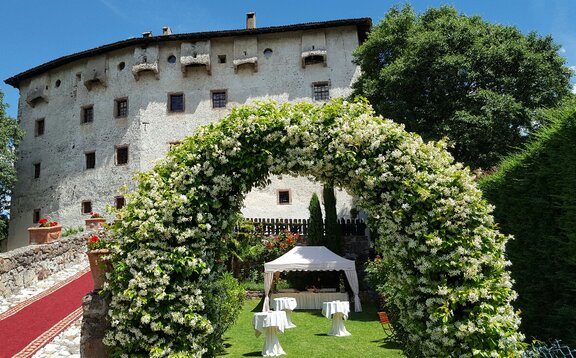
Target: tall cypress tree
x,y
332,239
315,225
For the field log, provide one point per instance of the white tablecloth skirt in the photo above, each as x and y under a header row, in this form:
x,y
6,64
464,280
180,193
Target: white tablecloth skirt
x,y
312,300
287,304
338,312
270,323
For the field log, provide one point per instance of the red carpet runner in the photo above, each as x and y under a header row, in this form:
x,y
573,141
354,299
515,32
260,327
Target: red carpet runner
x,y
30,325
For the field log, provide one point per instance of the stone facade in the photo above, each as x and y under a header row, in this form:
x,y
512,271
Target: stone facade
x,y
94,119
25,266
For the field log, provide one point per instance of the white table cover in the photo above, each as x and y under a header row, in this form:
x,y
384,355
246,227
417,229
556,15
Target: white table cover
x,y
312,300
286,304
270,323
338,312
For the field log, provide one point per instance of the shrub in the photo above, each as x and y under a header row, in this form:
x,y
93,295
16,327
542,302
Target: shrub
x,y
224,300
315,224
277,245
332,238
535,199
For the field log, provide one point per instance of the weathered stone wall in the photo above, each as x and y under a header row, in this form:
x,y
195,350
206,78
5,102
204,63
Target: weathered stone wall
x,y
94,326
150,127
27,265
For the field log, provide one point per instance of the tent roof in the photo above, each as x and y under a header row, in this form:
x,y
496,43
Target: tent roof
x,y
309,258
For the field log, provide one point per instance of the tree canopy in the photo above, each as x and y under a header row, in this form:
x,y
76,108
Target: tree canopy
x,y
10,135
443,74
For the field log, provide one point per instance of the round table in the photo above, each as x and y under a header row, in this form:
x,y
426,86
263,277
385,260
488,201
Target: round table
x,y
286,304
338,312
270,323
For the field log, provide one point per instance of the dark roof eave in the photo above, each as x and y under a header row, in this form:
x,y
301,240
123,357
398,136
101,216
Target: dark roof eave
x,y
363,25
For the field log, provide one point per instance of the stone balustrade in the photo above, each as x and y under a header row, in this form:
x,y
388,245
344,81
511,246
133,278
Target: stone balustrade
x,y
27,265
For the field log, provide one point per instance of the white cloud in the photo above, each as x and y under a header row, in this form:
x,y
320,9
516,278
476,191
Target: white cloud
x,y
562,50
574,88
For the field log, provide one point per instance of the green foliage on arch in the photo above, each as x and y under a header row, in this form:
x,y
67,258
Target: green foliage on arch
x,y
446,270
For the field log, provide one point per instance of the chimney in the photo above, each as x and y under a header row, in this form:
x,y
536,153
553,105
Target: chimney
x,y
251,20
147,34
166,30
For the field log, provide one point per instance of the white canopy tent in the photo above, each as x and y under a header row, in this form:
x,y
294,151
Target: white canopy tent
x,y
311,258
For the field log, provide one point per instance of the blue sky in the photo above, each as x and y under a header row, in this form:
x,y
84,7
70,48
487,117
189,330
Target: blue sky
x,y
38,31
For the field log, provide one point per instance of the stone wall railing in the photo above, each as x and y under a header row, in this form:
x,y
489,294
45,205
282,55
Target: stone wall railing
x,y
27,265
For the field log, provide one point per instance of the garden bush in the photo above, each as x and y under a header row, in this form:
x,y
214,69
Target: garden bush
x,y
332,238
447,269
316,223
535,197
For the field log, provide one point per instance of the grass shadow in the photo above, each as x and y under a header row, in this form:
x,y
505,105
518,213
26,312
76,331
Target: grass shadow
x,y
253,354
389,343
259,306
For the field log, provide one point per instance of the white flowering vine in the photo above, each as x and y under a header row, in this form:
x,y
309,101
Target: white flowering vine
x,y
444,255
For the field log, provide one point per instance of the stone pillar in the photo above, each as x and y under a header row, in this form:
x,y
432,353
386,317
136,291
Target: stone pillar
x,y
94,325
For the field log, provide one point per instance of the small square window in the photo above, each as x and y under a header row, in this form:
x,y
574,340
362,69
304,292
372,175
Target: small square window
x,y
39,127
87,115
36,170
221,58
312,60
219,99
283,197
119,202
35,216
121,155
90,160
86,207
176,102
321,91
121,108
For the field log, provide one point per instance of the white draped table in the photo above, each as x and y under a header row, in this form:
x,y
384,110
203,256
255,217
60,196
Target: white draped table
x,y
270,323
312,300
338,312
286,304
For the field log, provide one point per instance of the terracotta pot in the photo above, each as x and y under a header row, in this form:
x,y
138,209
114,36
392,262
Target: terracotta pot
x,y
95,224
99,266
44,235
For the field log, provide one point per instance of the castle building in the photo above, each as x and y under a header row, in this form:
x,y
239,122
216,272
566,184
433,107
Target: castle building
x,y
95,118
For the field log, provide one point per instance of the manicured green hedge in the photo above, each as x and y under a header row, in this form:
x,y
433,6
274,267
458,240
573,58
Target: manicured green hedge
x,y
535,197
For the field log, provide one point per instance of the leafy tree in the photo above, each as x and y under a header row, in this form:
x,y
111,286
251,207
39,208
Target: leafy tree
x,y
315,224
442,74
10,136
332,230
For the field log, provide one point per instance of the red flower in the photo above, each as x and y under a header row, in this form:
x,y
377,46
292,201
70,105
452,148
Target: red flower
x,y
42,221
94,239
53,223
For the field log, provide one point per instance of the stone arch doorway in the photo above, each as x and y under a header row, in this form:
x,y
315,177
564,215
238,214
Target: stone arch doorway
x,y
444,258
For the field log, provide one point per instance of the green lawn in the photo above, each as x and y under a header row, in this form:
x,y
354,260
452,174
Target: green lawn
x,y
309,338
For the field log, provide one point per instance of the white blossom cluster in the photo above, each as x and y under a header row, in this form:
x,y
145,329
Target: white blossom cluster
x,y
444,258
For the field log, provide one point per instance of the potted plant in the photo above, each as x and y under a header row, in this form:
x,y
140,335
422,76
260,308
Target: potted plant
x,y
98,251
95,222
46,232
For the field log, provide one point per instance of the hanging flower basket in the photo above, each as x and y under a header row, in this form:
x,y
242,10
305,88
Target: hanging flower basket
x,y
47,232
99,266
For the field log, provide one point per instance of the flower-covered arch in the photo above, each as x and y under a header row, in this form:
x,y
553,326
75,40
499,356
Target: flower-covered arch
x,y
444,256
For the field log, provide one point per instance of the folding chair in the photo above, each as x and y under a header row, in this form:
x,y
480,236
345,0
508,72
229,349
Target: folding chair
x,y
386,325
